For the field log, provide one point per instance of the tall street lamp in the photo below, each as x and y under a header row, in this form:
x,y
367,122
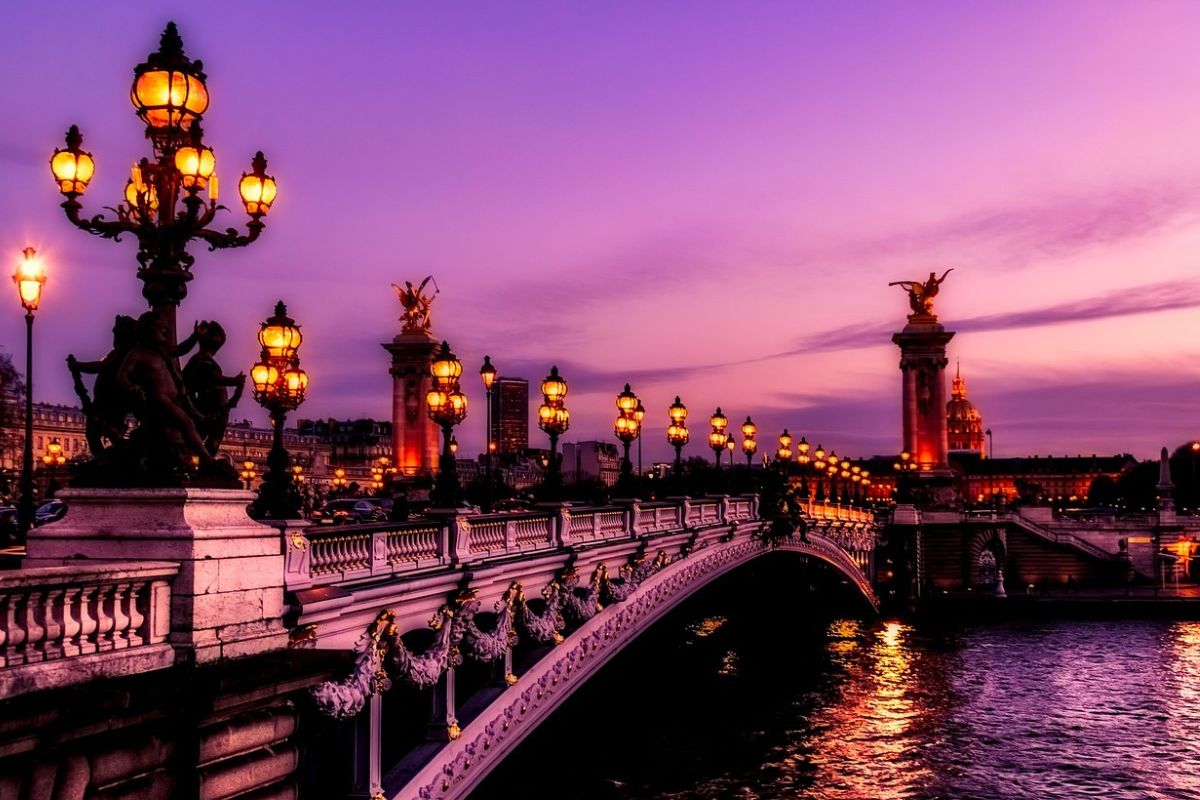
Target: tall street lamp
x,y
818,465
627,428
487,373
718,438
677,432
163,207
554,420
279,387
749,444
784,453
30,277
446,406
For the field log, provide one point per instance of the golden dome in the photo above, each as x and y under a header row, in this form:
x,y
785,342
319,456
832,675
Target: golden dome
x,y
964,423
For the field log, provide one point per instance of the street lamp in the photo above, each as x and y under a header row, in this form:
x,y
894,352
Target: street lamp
x,y
639,414
279,387
784,454
677,432
30,277
554,420
248,474
339,479
749,444
730,445
627,428
446,406
718,438
487,373
53,458
163,207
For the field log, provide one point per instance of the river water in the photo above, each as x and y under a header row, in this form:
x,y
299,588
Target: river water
x,y
770,685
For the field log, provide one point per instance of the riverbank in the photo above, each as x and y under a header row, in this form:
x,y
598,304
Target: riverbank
x,y
1177,603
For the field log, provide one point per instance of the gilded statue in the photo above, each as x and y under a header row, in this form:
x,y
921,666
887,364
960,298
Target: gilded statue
x,y
921,294
416,304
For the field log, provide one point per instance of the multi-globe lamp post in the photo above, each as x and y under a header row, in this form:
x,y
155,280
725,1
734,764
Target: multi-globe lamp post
x,y
627,428
446,406
487,374
163,205
53,458
279,386
248,474
639,414
554,420
677,432
783,454
30,277
749,442
718,438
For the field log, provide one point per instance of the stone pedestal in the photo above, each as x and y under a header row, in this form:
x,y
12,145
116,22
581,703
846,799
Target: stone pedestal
x,y
226,601
414,436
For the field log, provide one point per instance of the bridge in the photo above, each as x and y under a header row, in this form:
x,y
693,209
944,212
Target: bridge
x,y
575,585
539,600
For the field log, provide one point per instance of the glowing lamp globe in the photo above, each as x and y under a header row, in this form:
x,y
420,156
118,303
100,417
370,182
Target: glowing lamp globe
x,y
627,401
30,277
72,167
677,412
168,88
257,188
279,335
718,420
195,164
554,388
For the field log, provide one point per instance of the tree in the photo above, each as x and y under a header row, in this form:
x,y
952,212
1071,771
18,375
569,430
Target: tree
x,y
12,420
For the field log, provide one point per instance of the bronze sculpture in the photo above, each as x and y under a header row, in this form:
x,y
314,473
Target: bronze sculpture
x,y
206,386
921,294
417,305
181,415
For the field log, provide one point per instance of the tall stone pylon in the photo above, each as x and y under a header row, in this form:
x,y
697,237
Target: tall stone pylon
x,y
414,436
923,363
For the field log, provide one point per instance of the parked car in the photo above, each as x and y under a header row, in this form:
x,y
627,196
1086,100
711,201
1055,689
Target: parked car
x,y
50,511
348,511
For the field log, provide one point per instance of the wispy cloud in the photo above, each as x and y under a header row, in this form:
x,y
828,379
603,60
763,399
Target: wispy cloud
x,y
1145,299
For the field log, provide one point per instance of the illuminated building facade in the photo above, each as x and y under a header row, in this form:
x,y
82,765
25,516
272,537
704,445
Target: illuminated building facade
x,y
510,415
964,423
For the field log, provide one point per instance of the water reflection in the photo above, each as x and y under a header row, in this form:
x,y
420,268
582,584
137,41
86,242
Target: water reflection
x,y
757,709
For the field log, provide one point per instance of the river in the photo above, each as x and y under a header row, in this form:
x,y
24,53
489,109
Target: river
x,y
771,685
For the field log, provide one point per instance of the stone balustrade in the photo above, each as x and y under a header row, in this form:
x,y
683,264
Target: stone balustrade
x,y
318,556
62,625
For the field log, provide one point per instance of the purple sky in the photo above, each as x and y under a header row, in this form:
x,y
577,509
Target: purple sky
x,y
705,199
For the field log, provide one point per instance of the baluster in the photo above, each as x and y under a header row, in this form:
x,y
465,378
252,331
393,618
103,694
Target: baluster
x,y
34,631
14,634
52,619
105,617
120,632
87,619
71,620
137,593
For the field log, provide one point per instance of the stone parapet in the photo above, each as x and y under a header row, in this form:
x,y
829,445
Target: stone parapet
x,y
227,596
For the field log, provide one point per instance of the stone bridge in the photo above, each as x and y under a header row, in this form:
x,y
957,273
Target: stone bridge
x,y
497,617
569,587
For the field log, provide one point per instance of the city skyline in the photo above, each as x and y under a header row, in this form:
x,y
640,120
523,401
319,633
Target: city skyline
x,y
623,203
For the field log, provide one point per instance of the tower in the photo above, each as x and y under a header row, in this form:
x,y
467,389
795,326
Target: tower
x,y
414,436
510,415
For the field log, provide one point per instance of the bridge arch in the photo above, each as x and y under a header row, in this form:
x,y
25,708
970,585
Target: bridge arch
x,y
516,712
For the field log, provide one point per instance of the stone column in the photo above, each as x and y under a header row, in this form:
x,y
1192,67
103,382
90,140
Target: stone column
x,y
414,436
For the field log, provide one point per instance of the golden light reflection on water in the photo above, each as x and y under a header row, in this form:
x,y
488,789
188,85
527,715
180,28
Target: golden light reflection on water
x,y
706,627
1183,706
864,747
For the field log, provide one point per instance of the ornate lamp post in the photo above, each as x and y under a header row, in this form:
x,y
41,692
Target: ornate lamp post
x,y
554,420
639,414
677,432
749,444
627,428
29,277
487,373
248,474
784,454
53,458
718,438
163,207
339,481
279,387
446,406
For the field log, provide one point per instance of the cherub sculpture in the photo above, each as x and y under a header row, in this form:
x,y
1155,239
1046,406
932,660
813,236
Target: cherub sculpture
x,y
416,304
107,410
921,294
206,386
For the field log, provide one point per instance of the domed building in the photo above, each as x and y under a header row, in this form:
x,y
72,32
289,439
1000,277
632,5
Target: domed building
x,y
964,423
